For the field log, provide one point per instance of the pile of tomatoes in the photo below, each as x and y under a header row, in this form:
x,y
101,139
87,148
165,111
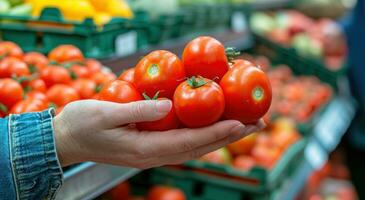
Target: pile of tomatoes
x,y
32,82
205,86
157,192
262,149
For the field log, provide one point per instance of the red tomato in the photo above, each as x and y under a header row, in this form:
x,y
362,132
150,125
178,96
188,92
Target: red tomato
x,y
205,56
198,102
59,109
10,92
11,66
10,49
55,75
247,92
244,145
85,87
101,78
61,95
243,162
127,75
159,71
80,71
120,92
35,59
265,156
165,193
36,95
93,65
37,85
169,122
119,192
65,53
240,62
29,105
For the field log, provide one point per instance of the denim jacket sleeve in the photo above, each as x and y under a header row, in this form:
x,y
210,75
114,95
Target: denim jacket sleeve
x,y
28,160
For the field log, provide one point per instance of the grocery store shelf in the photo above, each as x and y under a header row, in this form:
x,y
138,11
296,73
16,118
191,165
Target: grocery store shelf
x,y
89,180
327,134
240,41
271,4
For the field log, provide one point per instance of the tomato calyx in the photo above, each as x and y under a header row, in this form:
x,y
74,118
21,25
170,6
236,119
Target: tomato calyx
x,y
98,88
194,83
258,93
3,108
146,97
153,70
231,54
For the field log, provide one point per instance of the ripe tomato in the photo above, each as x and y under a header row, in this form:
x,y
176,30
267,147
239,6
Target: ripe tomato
x,y
219,156
80,71
55,75
120,92
93,65
243,162
85,87
119,192
205,56
65,53
11,66
37,85
29,105
102,78
35,60
247,92
10,92
244,145
165,193
170,121
159,71
198,102
61,95
266,156
36,95
240,62
10,49
127,75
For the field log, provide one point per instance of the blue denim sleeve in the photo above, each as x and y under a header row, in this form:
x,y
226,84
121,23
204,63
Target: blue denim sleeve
x,y
29,156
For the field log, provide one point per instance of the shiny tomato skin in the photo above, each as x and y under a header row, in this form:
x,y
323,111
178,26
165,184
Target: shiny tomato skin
x,y
36,95
85,87
102,78
205,56
127,75
10,92
38,60
241,62
10,49
170,121
52,75
248,94
65,53
165,193
93,65
12,66
119,92
198,107
60,95
80,71
159,71
37,85
29,105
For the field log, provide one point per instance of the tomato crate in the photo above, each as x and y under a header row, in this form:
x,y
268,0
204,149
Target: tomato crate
x,y
49,30
207,181
299,64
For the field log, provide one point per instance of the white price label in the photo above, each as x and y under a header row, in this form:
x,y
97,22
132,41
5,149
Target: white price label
x,y
239,22
126,44
315,155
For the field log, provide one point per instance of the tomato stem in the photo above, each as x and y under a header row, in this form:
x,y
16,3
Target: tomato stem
x,y
24,78
194,83
98,88
145,96
258,93
3,108
231,54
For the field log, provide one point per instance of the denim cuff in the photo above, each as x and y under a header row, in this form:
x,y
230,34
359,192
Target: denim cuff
x,y
36,170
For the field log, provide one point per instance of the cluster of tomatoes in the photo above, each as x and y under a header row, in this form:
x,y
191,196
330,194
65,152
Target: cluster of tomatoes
x,y
258,149
157,192
32,82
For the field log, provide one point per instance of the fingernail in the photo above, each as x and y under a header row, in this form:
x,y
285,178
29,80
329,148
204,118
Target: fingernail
x,y
250,129
238,129
163,106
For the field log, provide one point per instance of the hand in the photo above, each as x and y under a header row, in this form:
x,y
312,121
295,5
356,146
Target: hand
x,y
104,132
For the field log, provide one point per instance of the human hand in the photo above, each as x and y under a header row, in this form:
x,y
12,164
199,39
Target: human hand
x,y
104,132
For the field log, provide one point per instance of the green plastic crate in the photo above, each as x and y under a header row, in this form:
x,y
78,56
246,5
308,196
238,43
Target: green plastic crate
x,y
206,181
50,30
299,65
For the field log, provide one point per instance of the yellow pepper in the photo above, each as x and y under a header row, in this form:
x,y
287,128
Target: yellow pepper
x,y
102,18
115,8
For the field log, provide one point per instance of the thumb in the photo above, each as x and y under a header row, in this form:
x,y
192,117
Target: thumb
x,y
141,111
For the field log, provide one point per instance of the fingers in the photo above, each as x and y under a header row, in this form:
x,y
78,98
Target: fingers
x,y
183,140
139,111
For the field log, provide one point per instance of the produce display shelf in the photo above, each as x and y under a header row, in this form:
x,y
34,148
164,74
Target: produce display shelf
x,y
327,134
89,180
271,4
